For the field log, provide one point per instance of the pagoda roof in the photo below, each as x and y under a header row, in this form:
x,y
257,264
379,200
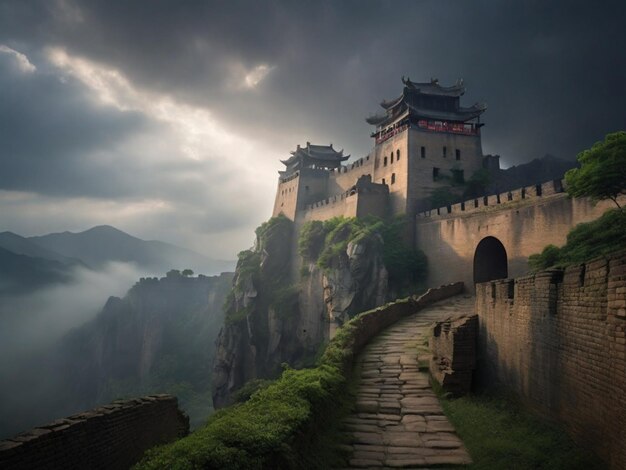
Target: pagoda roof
x,y
434,88
413,102
317,154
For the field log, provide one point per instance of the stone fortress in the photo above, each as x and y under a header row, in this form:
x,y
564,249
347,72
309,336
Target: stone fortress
x,y
424,140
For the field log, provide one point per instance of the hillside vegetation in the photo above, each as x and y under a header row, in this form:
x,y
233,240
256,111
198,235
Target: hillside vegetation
x,y
600,237
322,242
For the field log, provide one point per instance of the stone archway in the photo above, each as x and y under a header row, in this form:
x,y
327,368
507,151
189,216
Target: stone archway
x,y
490,260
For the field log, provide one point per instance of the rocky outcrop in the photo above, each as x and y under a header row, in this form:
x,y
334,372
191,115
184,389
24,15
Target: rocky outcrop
x,y
272,318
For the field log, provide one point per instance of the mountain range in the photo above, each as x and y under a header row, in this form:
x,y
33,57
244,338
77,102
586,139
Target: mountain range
x,y
27,263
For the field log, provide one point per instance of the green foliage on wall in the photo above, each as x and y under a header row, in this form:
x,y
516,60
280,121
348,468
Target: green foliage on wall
x,y
323,242
272,285
603,236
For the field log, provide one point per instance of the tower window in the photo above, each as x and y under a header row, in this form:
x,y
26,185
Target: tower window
x,y
384,181
398,155
435,174
423,152
393,178
458,154
385,162
391,159
445,151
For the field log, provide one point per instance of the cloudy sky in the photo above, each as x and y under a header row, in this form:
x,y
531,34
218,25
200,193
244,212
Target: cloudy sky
x,y
166,119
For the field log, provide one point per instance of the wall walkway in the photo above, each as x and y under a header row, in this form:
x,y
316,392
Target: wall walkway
x,y
398,420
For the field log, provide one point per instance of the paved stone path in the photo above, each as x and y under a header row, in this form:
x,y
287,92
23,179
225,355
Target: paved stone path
x,y
398,422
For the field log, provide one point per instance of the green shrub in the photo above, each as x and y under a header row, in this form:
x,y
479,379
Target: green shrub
x,y
324,242
547,258
283,425
250,388
603,236
311,240
284,300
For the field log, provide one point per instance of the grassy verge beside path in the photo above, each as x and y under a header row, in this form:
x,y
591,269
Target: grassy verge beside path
x,y
501,434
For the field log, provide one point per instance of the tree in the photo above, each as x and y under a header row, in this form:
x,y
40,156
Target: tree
x,y
602,172
187,272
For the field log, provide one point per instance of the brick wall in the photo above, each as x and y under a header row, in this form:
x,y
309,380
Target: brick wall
x,y
113,436
557,339
453,346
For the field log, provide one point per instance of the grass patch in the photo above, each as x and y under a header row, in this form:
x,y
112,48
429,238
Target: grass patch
x,y
501,434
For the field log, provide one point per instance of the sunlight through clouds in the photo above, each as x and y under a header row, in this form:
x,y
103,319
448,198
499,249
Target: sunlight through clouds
x,y
22,61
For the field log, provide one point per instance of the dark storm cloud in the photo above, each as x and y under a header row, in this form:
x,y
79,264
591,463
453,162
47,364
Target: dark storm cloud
x,y
551,72
48,128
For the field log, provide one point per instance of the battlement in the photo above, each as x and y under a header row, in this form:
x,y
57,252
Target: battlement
x,y
485,203
112,436
348,168
364,198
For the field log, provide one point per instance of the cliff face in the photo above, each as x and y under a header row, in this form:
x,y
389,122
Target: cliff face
x,y
272,318
150,339
159,338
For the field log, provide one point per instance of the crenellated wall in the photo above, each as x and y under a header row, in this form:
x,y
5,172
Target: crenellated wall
x,y
113,436
524,221
495,201
558,339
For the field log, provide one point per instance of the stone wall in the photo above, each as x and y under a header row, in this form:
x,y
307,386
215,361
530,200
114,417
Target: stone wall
x,y
113,436
453,346
370,323
558,339
524,226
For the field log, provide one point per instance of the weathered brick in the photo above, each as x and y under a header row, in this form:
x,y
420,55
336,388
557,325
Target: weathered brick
x,y
562,347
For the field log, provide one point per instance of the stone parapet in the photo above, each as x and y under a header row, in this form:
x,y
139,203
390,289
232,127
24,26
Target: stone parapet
x,y
453,346
517,196
558,339
113,436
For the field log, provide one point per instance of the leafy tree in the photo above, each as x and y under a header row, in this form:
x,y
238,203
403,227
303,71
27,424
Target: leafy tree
x,y
602,174
187,272
172,273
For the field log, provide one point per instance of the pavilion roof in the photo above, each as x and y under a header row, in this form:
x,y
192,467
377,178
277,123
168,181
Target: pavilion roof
x,y
317,154
411,102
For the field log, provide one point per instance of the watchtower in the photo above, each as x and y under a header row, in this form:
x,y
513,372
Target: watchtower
x,y
425,140
305,178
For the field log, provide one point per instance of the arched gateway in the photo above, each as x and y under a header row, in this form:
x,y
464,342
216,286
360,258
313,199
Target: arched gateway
x,y
490,260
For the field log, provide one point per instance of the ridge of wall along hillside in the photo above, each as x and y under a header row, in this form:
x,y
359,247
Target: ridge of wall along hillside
x,y
558,339
485,202
113,436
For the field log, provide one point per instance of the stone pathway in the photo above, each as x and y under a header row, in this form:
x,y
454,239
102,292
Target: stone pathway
x,y
398,422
